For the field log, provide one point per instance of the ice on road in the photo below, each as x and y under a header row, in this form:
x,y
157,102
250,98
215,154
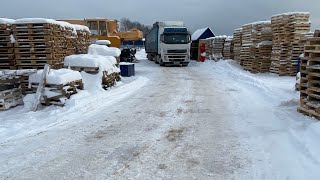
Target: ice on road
x,y
206,121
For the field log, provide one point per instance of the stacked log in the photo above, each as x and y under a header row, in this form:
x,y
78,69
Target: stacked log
x,y
237,38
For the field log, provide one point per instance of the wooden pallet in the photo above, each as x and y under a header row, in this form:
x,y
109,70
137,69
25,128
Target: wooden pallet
x,y
35,44
37,50
5,39
36,32
35,62
6,50
5,44
39,38
31,56
36,26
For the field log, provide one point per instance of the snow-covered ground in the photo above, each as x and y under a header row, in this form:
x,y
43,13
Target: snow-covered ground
x,y
210,120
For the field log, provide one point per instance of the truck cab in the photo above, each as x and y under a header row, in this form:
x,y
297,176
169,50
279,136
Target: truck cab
x,y
168,43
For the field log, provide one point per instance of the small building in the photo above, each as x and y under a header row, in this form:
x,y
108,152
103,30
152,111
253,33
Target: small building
x,y
196,37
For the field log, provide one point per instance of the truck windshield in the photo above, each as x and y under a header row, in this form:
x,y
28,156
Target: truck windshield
x,y
176,39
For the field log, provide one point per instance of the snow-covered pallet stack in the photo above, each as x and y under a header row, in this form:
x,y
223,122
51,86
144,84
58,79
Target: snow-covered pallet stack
x,y
10,91
228,48
286,49
83,39
310,79
6,47
218,43
105,66
263,42
237,38
42,41
60,85
247,46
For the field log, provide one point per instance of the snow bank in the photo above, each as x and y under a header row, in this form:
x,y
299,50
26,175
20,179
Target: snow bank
x,y
104,63
6,21
95,49
60,76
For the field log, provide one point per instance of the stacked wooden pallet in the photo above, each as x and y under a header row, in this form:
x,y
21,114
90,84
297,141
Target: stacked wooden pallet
x,y
38,44
286,48
263,43
298,24
10,91
310,79
228,48
218,43
59,86
209,48
83,41
247,46
6,47
237,38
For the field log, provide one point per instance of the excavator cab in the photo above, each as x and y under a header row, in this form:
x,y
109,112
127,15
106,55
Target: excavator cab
x,y
100,31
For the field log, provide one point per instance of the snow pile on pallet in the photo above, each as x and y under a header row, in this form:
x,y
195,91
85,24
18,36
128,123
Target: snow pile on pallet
x,y
104,63
96,49
103,42
43,20
60,76
6,21
78,27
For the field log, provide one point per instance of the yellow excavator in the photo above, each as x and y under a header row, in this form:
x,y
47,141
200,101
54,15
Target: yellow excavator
x,y
106,29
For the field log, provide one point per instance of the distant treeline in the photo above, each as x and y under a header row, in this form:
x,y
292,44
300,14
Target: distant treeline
x,y
126,25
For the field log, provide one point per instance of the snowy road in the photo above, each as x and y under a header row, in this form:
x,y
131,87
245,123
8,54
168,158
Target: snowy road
x,y
205,121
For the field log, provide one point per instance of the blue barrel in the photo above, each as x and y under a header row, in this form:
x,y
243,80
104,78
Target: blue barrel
x,y
127,69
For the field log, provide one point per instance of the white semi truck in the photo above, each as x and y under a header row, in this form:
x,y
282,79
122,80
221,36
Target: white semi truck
x,y
168,43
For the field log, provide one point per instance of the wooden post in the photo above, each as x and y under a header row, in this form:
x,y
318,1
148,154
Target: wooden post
x,y
41,87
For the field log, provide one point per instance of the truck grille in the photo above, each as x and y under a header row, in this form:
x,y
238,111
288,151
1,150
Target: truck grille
x,y
177,51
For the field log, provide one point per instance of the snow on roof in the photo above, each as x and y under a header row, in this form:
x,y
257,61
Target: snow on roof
x,y
104,63
95,49
60,76
103,42
6,21
43,20
196,35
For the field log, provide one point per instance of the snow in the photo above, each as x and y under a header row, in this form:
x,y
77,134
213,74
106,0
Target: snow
x,y
103,42
104,63
95,49
292,13
6,21
43,20
81,28
60,76
225,123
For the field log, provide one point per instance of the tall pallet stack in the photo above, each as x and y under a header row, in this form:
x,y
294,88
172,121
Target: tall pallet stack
x,y
298,23
263,42
286,49
83,39
310,79
246,47
237,38
6,47
218,43
228,48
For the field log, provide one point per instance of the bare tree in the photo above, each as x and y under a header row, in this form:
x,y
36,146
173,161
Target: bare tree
x,y
126,25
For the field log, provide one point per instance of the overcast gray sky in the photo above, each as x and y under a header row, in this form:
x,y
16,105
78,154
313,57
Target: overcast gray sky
x,y
223,16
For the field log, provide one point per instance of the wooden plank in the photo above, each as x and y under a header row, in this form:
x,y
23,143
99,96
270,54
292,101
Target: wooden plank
x,y
41,86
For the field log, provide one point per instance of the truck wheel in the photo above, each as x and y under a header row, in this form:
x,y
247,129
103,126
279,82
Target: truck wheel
x,y
161,63
149,57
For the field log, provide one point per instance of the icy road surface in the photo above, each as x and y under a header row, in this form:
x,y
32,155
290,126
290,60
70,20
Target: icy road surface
x,y
205,121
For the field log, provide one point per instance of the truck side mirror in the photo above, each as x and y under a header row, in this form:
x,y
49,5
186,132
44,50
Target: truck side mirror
x,y
162,38
189,37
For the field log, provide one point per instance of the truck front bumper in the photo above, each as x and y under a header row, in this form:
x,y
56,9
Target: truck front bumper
x,y
176,58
